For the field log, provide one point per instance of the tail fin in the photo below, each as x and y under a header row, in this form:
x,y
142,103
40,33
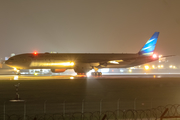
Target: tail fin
x,y
150,45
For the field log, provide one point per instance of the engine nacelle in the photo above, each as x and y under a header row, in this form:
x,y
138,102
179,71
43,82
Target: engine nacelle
x,y
82,68
58,70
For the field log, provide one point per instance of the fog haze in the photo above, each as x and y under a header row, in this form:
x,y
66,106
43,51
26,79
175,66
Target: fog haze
x,y
88,26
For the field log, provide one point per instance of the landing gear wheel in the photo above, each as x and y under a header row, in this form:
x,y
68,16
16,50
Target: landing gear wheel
x,y
96,74
81,73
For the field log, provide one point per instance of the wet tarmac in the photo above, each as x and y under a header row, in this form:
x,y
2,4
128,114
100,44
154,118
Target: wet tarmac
x,y
104,76
129,91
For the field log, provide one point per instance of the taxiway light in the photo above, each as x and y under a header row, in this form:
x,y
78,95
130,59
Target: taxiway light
x,y
153,66
159,66
121,70
160,56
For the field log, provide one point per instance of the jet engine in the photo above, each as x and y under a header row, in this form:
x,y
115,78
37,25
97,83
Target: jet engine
x,y
82,68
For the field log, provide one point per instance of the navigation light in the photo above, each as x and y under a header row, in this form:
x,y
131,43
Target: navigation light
x,y
35,53
154,56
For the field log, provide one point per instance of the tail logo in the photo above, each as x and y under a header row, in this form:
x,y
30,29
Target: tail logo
x,y
150,45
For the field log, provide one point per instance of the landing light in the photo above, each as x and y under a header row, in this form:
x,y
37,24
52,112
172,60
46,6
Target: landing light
x,y
89,73
35,73
114,62
71,77
16,77
15,69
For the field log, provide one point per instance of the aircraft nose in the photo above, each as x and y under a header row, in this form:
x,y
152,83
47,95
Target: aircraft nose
x,y
7,62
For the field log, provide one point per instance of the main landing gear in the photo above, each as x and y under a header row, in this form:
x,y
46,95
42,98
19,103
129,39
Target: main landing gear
x,y
96,74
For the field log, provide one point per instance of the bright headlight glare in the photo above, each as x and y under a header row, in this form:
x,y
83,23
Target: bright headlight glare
x,y
15,68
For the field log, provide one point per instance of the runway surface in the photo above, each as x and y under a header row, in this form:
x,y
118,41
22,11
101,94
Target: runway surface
x,y
104,76
142,91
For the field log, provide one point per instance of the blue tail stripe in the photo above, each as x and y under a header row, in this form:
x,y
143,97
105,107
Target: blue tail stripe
x,y
150,45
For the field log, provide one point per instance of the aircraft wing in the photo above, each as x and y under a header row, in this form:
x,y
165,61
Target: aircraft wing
x,y
168,56
108,59
118,61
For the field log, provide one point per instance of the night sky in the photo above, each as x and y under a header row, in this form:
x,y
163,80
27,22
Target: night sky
x,y
88,26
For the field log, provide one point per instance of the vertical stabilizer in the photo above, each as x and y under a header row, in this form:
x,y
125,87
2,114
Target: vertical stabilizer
x,y
150,45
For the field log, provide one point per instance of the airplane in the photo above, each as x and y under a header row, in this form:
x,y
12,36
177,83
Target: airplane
x,y
84,62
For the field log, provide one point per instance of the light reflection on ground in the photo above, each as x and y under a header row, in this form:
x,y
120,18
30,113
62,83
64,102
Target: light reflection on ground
x,y
104,76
